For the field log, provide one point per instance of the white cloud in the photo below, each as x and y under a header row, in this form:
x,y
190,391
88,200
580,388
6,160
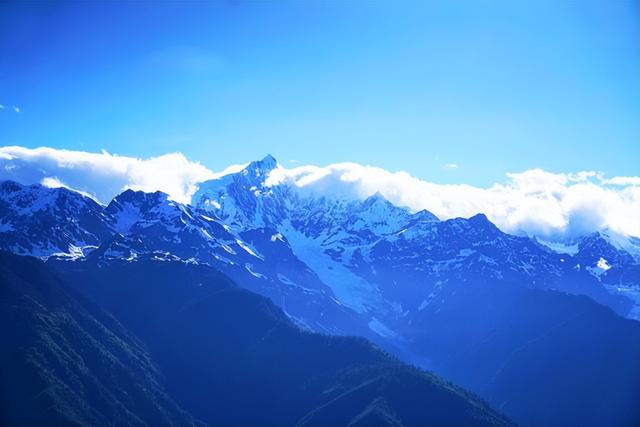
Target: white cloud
x,y
53,182
553,205
104,175
1,107
16,109
451,166
624,180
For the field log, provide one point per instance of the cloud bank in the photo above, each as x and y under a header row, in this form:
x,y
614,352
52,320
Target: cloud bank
x,y
536,202
104,175
550,205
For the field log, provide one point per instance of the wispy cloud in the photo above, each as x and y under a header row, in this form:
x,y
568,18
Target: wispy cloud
x,y
54,182
13,108
451,166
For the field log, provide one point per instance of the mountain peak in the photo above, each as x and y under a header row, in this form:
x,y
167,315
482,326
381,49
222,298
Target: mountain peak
x,y
479,217
139,199
130,195
269,159
260,167
377,197
10,186
481,220
380,204
617,241
425,216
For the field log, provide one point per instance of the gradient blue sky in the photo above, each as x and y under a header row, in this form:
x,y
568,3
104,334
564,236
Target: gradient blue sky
x,y
491,86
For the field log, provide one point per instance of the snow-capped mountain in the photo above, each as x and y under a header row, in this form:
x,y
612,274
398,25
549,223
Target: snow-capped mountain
x,y
457,296
323,232
60,223
379,258
341,255
358,256
611,258
614,248
40,221
259,259
162,224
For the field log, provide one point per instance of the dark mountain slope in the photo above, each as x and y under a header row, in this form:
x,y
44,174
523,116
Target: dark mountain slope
x,y
233,358
66,362
542,357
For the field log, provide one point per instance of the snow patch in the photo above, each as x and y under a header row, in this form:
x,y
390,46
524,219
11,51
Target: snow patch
x,y
249,268
277,236
560,248
601,266
350,289
381,329
125,219
228,249
247,249
284,279
463,253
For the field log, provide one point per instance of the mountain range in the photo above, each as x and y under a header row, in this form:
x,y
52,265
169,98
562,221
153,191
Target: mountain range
x,y
537,329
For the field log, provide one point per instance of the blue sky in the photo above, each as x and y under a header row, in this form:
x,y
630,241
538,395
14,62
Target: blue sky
x,y
489,86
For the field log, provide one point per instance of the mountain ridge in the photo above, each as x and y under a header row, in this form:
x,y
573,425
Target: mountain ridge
x,y
372,269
